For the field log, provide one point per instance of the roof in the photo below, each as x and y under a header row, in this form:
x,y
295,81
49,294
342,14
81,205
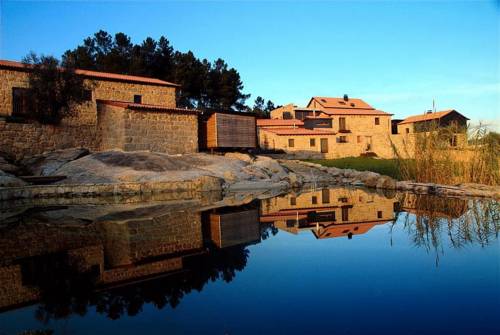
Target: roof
x,y
131,105
98,75
297,131
279,122
351,106
429,116
350,103
339,230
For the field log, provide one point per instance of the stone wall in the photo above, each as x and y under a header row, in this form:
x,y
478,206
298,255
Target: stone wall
x,y
111,127
102,89
160,131
81,130
26,139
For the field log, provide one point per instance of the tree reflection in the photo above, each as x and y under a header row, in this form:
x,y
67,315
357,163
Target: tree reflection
x,y
69,291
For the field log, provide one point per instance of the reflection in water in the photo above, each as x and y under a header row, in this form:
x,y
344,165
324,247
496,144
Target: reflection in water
x,y
118,258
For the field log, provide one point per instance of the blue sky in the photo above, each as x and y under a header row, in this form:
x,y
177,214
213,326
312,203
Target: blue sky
x,y
396,55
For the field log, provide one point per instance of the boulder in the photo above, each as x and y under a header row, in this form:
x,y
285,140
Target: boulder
x,y
385,182
239,156
8,180
48,163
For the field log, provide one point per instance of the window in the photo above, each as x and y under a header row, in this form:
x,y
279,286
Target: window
x,y
138,99
291,142
293,201
314,200
290,223
379,214
20,103
359,139
312,142
342,124
325,196
344,199
407,130
345,213
377,121
87,95
342,139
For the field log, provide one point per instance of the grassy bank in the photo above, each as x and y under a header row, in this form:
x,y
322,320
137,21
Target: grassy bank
x,y
388,167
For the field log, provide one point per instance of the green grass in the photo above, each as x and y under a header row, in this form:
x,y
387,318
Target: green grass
x,y
388,167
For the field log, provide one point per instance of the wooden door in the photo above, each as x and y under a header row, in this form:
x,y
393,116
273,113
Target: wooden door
x,y
324,145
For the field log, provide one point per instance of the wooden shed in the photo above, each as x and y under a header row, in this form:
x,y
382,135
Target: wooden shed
x,y
232,226
227,130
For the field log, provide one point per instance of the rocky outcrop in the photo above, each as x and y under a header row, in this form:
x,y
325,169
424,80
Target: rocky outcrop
x,y
48,163
117,172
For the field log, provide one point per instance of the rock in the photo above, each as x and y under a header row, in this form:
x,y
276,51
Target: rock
x,y
8,180
229,176
385,182
47,164
271,167
335,171
294,180
240,156
6,166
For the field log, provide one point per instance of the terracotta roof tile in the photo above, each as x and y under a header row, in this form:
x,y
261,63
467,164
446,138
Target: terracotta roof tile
x,y
428,116
278,122
329,102
131,105
342,111
100,75
339,106
297,131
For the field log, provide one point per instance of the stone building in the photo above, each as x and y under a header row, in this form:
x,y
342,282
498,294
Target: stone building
x,y
331,128
329,213
123,112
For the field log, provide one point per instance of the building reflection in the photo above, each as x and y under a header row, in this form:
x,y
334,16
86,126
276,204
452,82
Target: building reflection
x,y
54,256
329,213
117,258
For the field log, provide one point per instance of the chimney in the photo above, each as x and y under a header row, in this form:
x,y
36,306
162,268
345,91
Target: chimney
x,y
346,98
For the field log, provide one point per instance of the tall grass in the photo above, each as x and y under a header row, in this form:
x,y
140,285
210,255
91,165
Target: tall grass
x,y
474,157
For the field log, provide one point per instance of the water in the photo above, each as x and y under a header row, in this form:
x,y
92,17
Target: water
x,y
343,261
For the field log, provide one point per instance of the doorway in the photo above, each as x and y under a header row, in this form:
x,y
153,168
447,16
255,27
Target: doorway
x,y
324,145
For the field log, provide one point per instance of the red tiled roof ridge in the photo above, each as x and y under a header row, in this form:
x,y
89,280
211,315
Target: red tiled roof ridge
x,y
99,74
339,102
133,105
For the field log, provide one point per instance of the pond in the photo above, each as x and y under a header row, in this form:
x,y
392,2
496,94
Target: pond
x,y
323,261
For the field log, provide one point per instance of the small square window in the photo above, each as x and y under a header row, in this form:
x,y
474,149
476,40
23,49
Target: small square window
x,y
342,139
379,214
138,99
407,130
291,142
312,142
87,95
293,201
377,121
314,200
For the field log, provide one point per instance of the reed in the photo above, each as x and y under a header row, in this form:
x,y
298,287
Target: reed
x,y
451,155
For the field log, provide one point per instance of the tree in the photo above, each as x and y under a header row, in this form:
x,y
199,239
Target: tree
x,y
54,91
203,84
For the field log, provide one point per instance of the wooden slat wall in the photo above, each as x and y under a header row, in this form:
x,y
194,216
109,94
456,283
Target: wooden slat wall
x,y
211,132
235,131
